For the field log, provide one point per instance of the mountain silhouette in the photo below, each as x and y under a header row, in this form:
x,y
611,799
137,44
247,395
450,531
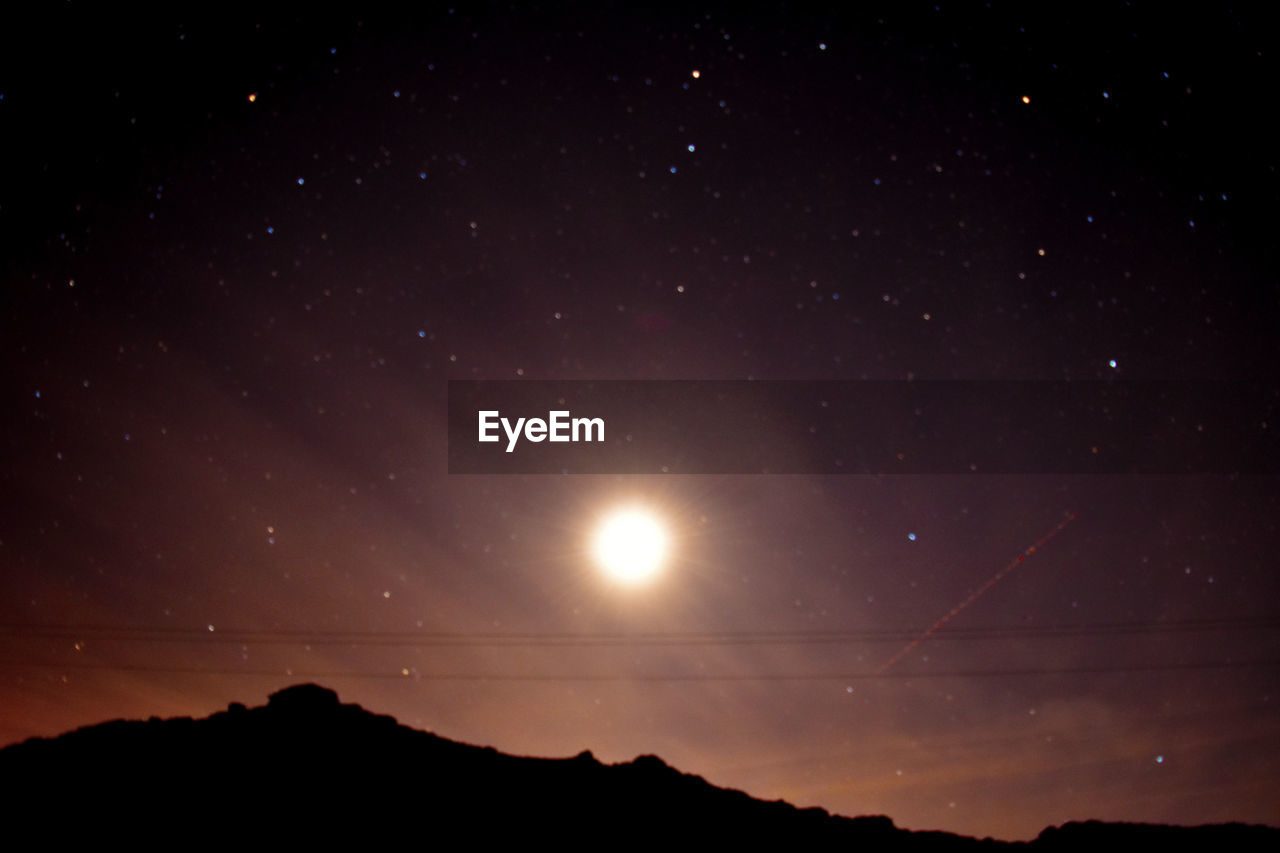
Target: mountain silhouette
x,y
307,769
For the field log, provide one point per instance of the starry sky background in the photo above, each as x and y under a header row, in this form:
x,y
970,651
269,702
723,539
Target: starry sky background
x,y
244,251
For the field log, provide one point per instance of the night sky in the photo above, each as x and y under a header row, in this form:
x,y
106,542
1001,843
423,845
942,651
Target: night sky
x,y
243,252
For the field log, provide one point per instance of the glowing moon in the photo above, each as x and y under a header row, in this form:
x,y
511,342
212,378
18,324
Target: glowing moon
x,y
630,545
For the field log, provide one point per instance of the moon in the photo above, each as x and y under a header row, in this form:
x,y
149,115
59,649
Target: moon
x,y
630,545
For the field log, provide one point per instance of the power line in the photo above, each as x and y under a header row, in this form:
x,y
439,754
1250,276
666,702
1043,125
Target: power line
x,y
587,639
408,675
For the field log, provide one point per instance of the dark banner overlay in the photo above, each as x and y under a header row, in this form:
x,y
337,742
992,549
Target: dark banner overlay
x,y
863,427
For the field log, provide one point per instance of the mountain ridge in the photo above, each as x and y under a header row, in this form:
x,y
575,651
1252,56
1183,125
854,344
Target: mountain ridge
x,y
307,765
